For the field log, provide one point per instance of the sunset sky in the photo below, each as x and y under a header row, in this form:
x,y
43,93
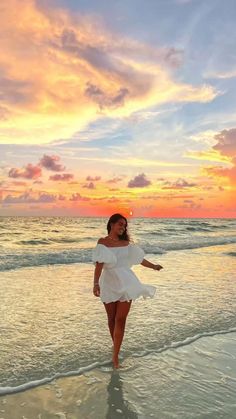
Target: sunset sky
x,y
118,106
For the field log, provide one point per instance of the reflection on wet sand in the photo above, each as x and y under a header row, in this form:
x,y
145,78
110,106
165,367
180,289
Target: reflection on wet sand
x,y
117,406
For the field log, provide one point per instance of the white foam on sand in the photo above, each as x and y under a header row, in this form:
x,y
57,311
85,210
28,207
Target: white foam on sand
x,y
106,366
194,380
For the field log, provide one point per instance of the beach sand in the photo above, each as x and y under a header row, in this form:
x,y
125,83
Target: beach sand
x,y
195,380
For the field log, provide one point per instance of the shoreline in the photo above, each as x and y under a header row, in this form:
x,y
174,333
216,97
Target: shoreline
x,y
7,391
144,385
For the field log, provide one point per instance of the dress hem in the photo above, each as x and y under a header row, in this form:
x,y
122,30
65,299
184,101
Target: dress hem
x,y
131,299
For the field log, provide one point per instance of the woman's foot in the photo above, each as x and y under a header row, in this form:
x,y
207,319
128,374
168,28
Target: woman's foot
x,y
115,361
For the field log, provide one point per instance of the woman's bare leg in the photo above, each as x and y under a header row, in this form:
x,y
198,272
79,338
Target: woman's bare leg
x,y
122,311
111,315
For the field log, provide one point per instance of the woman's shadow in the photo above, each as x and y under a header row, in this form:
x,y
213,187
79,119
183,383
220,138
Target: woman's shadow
x,y
117,406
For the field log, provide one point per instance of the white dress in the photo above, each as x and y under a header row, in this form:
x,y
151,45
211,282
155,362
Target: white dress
x,y
117,281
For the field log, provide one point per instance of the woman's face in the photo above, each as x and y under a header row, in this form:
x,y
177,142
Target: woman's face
x,y
119,227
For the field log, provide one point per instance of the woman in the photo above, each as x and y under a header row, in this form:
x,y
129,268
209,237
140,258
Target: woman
x,y
114,281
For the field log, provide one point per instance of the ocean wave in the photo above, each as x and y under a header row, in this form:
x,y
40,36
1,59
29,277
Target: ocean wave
x,y
50,241
185,244
36,383
198,229
231,254
34,242
30,260
24,259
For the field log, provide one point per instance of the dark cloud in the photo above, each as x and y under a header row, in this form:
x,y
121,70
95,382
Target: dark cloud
x,y
94,55
179,184
93,179
173,56
50,163
105,58
45,197
27,198
15,91
38,182
63,177
28,172
89,185
105,100
77,197
114,180
139,181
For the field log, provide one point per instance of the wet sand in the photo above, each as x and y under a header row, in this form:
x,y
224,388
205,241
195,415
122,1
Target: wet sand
x,y
195,380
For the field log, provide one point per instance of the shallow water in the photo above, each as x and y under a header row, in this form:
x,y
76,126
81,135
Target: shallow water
x,y
51,324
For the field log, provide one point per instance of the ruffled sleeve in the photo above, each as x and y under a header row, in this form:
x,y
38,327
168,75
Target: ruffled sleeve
x,y
136,254
102,254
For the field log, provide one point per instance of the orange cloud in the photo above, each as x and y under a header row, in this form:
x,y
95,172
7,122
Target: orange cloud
x,y
222,172
56,65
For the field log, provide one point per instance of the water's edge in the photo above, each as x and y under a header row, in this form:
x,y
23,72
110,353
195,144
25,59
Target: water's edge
x,y
36,383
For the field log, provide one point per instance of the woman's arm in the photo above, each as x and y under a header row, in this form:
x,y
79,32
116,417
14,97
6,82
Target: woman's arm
x,y
151,265
97,273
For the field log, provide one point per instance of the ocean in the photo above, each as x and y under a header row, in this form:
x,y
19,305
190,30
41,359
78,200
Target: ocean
x,y
52,326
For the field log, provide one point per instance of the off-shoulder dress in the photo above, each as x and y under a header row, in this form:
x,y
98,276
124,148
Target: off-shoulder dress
x,y
117,281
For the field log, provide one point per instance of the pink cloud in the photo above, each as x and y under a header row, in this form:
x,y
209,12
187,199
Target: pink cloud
x,y
64,177
226,142
139,181
50,163
226,145
28,172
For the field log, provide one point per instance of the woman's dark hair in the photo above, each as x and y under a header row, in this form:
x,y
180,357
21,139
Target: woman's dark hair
x,y
112,220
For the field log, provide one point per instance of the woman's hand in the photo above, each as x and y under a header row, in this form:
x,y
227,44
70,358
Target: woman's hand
x,y
96,290
157,267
